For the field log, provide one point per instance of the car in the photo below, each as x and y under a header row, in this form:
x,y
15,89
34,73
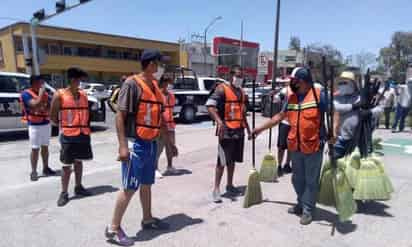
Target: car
x,y
112,87
12,84
259,92
97,90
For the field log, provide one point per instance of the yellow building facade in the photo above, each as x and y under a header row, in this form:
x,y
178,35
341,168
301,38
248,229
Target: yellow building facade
x,y
105,57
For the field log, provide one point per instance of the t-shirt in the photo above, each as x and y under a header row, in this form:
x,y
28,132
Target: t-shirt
x,y
26,97
217,99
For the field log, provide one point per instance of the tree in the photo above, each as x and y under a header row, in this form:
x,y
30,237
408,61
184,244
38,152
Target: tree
x,y
294,43
313,58
364,60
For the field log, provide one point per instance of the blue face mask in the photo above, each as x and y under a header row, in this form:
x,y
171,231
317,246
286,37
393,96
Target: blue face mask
x,y
346,89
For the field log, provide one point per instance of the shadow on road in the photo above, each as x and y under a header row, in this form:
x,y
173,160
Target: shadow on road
x,y
178,173
199,119
177,222
98,190
233,197
373,208
324,215
58,174
14,136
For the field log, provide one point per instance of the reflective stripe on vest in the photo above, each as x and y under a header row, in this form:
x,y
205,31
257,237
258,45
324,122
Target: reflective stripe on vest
x,y
170,102
234,108
39,113
305,122
148,116
74,114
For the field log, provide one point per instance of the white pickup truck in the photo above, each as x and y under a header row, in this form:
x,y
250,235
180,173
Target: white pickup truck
x,y
12,84
191,95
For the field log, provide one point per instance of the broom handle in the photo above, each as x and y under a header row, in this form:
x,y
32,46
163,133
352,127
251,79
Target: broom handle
x,y
253,122
332,117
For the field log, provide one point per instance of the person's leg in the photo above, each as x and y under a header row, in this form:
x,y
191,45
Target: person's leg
x,y
45,157
298,176
34,157
78,172
66,178
122,202
146,201
281,153
387,117
312,166
230,174
218,176
404,114
169,153
397,117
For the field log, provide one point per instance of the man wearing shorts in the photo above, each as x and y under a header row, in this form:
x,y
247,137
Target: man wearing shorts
x,y
138,123
227,106
70,108
36,110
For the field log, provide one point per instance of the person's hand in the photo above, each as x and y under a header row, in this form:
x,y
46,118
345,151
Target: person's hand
x,y
42,90
220,127
124,154
332,140
250,136
255,133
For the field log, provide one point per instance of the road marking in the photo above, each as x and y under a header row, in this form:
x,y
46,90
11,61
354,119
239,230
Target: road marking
x,y
406,148
391,145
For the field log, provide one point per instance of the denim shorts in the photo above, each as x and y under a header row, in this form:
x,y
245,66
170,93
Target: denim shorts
x,y
140,169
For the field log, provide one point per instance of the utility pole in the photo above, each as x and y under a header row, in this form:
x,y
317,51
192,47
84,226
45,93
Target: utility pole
x,y
205,42
241,46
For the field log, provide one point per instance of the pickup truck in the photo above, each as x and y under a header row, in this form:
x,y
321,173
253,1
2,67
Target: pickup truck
x,y
12,84
191,95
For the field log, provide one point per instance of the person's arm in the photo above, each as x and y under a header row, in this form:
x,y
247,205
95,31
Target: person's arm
x,y
275,120
121,135
55,109
35,102
212,104
215,116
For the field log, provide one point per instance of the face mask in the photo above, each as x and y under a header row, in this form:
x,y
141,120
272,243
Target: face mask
x,y
237,82
346,89
159,73
294,87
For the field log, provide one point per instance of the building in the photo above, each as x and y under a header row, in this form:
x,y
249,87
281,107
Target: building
x,y
287,60
195,58
105,57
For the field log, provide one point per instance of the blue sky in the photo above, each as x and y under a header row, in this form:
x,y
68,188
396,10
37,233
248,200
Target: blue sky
x,y
349,25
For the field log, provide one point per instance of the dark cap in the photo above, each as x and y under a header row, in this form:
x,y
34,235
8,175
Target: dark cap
x,y
75,73
302,74
34,78
149,55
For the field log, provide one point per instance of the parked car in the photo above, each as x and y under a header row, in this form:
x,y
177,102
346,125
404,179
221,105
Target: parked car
x,y
259,92
12,84
97,90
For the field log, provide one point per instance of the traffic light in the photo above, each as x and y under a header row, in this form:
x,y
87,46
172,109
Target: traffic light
x,y
60,6
39,15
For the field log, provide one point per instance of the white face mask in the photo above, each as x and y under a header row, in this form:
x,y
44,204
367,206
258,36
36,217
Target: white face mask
x,y
159,73
237,82
346,89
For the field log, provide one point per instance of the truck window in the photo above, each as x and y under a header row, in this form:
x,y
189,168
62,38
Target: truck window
x,y
13,84
209,84
186,84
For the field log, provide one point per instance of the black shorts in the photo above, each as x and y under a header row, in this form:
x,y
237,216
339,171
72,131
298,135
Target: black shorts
x,y
283,136
230,151
71,152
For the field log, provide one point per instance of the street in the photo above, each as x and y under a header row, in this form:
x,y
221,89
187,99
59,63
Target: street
x,y
30,217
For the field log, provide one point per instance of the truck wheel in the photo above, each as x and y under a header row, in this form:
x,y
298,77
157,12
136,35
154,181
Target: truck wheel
x,y
188,114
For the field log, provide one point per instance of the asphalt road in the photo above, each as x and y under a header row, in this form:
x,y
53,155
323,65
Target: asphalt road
x,y
29,215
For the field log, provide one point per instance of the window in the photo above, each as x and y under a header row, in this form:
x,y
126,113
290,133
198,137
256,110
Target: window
x,y
18,44
290,59
54,49
13,84
112,54
209,84
68,51
186,84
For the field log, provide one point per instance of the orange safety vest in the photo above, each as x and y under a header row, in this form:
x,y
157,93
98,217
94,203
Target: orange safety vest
x,y
305,122
234,108
74,114
170,102
39,113
148,116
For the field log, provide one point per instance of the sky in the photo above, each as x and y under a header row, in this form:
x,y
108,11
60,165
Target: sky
x,y
349,25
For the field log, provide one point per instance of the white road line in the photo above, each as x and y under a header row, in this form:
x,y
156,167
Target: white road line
x,y
391,145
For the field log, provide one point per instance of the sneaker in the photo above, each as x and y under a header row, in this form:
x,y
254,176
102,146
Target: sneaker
x,y
49,172
155,224
159,174
119,237
280,171
63,199
295,210
232,190
306,219
34,177
81,191
217,198
287,169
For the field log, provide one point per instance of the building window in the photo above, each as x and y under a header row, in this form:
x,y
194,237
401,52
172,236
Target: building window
x,y
68,51
54,49
18,44
112,54
290,59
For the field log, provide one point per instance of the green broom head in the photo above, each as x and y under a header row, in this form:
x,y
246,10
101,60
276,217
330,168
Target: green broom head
x,y
355,160
268,169
326,194
370,183
352,166
253,194
379,163
345,205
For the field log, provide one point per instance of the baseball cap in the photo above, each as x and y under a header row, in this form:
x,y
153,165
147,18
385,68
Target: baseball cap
x,y
151,55
302,74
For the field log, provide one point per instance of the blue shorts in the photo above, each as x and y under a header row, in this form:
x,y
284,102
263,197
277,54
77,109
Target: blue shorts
x,y
140,169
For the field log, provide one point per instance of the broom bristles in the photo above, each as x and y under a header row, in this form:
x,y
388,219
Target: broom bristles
x,y
269,169
371,183
253,193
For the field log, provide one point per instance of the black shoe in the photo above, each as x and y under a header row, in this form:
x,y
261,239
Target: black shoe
x,y
34,177
287,169
81,191
49,172
155,224
295,210
63,199
306,219
233,190
280,171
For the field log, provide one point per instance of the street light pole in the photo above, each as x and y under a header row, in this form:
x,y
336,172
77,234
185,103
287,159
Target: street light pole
x,y
205,42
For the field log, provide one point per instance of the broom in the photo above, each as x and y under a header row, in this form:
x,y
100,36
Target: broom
x,y
253,193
